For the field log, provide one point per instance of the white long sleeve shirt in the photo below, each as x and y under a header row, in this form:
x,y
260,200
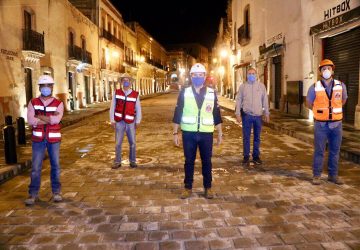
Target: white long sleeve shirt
x,y
138,114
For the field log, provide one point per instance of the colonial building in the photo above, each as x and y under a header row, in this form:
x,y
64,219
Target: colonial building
x,y
152,73
286,40
50,38
179,62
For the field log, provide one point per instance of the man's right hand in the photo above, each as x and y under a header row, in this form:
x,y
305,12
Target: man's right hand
x,y
113,124
238,118
176,140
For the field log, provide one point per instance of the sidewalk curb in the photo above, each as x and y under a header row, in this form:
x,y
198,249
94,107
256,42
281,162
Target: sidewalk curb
x,y
9,171
344,153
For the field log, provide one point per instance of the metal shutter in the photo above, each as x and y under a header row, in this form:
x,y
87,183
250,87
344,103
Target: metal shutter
x,y
344,51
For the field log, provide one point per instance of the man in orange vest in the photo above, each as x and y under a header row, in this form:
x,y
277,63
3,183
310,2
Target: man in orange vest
x,y
125,117
326,99
44,115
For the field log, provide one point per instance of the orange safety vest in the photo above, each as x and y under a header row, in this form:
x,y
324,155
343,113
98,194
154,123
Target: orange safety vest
x,y
328,108
47,131
125,106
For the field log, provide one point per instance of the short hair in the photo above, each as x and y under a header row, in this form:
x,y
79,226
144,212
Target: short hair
x,y
252,68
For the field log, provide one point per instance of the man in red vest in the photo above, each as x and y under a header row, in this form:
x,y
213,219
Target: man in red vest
x,y
44,115
125,117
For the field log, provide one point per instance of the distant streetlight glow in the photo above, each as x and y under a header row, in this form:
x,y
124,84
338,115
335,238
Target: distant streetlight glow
x,y
223,53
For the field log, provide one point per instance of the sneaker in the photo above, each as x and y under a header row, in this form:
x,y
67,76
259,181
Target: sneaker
x,y
336,180
186,193
57,197
316,180
31,200
116,165
245,161
209,193
133,165
257,161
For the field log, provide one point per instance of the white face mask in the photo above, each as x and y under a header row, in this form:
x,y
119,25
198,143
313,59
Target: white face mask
x,y
326,74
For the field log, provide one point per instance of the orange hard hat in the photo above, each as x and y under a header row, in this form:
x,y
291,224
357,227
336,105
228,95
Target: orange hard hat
x,y
326,62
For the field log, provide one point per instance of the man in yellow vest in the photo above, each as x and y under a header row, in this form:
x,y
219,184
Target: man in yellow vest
x,y
197,113
326,99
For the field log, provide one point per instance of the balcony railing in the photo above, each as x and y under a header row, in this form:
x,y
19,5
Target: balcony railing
x,y
130,62
33,41
79,54
111,38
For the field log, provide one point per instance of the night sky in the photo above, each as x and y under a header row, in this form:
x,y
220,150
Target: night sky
x,y
171,22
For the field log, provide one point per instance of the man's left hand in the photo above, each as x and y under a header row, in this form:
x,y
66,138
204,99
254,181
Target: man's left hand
x,y
219,139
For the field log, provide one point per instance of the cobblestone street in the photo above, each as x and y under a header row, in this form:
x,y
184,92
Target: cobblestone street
x,y
273,206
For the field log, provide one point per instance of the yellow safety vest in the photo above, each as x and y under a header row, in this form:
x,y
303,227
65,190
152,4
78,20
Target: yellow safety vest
x,y
193,119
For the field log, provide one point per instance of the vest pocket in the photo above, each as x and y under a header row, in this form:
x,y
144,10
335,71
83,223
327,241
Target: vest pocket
x,y
188,119
208,121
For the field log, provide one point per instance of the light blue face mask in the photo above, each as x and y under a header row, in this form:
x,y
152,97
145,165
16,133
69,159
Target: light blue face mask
x,y
45,91
126,84
251,77
197,81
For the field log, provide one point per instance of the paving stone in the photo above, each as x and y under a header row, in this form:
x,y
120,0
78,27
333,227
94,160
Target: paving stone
x,y
315,237
66,238
89,238
228,232
146,246
182,235
135,236
220,244
107,228
196,244
250,230
292,239
335,245
129,227
269,240
158,236
170,245
244,243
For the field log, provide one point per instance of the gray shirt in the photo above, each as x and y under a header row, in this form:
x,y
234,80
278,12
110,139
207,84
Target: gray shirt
x,y
252,99
137,107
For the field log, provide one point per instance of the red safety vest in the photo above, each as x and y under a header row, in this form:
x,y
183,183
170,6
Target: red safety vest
x,y
49,132
328,108
125,106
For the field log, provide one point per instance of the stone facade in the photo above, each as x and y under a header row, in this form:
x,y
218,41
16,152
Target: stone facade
x,y
285,41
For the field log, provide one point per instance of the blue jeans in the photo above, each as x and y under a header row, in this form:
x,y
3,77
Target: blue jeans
x,y
323,134
191,141
38,152
122,128
250,122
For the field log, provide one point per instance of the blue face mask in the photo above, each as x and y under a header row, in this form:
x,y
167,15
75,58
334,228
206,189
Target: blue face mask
x,y
126,84
45,91
251,77
197,81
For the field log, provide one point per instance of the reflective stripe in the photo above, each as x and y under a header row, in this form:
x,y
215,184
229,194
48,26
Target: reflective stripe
x,y
118,114
337,110
207,121
37,133
337,87
121,97
131,99
129,117
38,107
51,109
188,93
188,119
54,135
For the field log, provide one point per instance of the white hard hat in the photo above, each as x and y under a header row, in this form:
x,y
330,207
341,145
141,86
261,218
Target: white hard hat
x,y
198,68
126,75
45,79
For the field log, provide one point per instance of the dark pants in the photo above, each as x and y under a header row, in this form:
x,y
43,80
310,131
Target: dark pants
x,y
250,122
191,141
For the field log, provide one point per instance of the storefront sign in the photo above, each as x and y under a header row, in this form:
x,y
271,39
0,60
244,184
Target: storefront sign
x,y
9,54
344,6
336,21
274,39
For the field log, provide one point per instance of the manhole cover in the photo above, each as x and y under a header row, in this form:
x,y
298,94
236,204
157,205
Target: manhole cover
x,y
141,161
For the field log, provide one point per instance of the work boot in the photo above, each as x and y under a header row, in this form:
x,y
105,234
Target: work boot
x,y
316,180
209,193
133,165
245,161
186,193
31,200
116,165
336,180
257,161
57,198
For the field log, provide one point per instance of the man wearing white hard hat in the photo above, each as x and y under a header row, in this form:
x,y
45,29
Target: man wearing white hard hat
x,y
44,115
125,117
197,113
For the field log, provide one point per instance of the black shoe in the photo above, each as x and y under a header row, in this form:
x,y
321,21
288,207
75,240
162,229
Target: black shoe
x,y
336,180
133,165
245,161
116,165
257,161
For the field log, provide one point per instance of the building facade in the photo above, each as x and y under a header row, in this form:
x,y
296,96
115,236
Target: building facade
x,y
39,42
286,40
